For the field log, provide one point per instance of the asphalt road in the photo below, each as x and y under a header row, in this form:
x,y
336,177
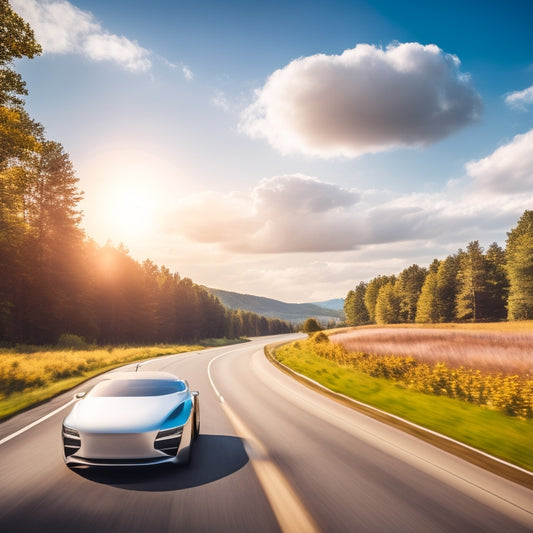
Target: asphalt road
x,y
272,456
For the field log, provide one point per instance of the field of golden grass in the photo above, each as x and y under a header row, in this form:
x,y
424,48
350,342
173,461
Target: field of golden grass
x,y
505,347
26,371
31,376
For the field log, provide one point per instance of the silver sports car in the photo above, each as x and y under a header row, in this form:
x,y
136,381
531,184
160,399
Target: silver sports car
x,y
133,419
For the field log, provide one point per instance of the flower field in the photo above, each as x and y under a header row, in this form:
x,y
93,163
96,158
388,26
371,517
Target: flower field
x,y
492,369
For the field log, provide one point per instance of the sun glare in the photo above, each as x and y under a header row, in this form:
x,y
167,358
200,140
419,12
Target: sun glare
x,y
127,196
132,211
129,206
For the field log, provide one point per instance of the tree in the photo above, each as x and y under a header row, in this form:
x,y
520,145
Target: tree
x,y
354,306
446,288
311,325
427,305
497,283
16,41
519,267
371,294
17,130
476,298
387,310
408,289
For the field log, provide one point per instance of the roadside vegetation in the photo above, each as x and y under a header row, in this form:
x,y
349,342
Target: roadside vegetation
x,y
489,410
32,374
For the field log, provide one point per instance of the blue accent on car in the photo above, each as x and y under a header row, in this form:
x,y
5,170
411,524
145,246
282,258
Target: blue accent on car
x,y
179,416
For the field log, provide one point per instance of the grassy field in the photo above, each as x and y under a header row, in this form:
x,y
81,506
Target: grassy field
x,y
30,375
491,431
505,347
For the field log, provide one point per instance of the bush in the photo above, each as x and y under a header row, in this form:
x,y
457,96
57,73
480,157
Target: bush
x,y
320,337
311,325
68,341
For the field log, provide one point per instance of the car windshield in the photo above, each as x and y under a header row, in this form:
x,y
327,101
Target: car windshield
x,y
136,387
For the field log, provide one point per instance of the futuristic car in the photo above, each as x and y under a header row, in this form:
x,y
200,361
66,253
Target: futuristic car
x,y
133,419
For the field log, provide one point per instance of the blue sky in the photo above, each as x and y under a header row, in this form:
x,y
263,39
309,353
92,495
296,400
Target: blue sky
x,y
290,149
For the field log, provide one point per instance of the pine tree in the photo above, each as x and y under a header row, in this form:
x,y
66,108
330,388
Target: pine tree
x,y
497,283
427,307
446,289
519,266
472,284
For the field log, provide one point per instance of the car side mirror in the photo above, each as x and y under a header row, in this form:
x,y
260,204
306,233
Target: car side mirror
x,y
79,395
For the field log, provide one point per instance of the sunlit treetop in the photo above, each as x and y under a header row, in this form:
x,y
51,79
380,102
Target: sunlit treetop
x,y
16,41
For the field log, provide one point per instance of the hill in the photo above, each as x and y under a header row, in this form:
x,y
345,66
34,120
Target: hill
x,y
336,303
268,307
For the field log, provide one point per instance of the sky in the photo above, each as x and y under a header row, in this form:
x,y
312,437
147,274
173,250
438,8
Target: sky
x,y
289,149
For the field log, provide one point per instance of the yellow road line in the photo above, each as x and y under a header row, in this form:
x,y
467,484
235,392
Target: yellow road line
x,y
290,512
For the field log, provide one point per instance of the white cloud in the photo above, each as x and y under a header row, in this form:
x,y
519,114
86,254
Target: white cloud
x,y
365,100
62,28
519,99
298,214
509,169
187,72
107,47
282,214
220,100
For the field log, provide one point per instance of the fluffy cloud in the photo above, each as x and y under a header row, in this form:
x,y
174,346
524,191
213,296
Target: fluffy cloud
x,y
519,99
298,214
507,170
63,28
282,214
365,100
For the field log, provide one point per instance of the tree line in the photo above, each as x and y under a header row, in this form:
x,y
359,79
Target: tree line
x,y
471,285
53,279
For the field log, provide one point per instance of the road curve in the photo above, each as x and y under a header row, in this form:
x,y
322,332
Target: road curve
x,y
272,456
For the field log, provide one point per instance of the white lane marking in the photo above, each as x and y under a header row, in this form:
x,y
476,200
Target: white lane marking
x,y
291,514
33,424
220,397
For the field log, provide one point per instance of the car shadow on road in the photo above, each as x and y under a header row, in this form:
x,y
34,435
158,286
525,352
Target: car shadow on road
x,y
214,457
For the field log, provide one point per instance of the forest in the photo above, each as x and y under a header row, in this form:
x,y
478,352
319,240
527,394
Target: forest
x,y
54,279
474,285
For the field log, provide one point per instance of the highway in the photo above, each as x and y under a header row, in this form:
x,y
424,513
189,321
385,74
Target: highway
x,y
273,456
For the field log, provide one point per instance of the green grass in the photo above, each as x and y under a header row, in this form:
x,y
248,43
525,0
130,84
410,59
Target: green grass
x,y
493,432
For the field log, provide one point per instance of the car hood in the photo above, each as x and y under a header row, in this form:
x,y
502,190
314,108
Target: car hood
x,y
123,415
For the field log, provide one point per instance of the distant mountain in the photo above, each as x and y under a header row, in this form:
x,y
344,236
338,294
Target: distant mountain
x,y
337,304
275,309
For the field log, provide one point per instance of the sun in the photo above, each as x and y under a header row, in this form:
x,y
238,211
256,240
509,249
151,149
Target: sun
x,y
133,211
128,195
129,207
